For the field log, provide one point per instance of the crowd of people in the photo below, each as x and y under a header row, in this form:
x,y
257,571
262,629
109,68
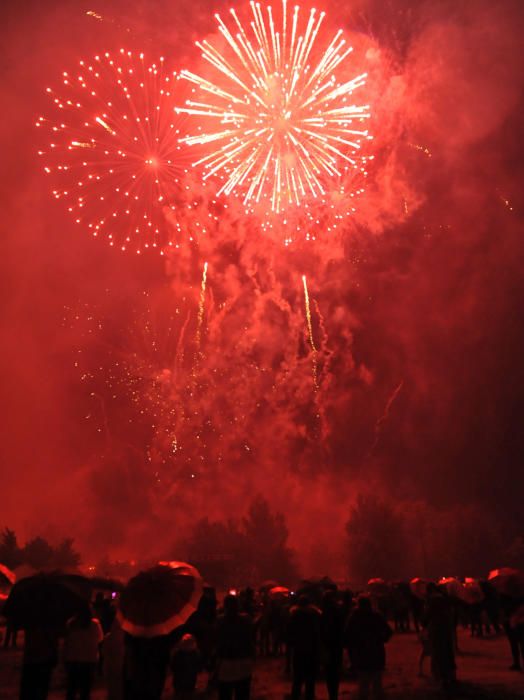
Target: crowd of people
x,y
319,632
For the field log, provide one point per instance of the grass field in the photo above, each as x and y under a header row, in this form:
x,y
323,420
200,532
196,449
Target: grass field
x,y
482,671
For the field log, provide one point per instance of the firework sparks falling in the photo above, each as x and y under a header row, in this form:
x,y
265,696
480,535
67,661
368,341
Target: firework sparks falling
x,y
383,418
310,331
280,124
114,155
200,317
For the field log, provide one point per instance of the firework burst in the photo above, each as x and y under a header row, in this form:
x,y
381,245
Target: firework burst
x,y
277,118
114,155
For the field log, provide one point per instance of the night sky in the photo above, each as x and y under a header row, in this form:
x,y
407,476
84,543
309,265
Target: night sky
x,y
417,310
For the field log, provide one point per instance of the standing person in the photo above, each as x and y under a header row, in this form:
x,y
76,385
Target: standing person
x,y
39,659
440,624
113,658
332,625
513,623
146,662
235,652
202,625
366,635
304,632
185,664
81,647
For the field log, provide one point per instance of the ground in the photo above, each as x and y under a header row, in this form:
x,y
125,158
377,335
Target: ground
x,y
482,669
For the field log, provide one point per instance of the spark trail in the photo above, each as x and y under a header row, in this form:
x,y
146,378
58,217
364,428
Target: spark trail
x,y
200,318
310,332
383,418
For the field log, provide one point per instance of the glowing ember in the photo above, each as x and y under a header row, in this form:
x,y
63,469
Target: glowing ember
x,y
280,125
115,157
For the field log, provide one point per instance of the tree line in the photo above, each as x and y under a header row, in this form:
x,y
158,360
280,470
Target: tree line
x,y
37,552
383,538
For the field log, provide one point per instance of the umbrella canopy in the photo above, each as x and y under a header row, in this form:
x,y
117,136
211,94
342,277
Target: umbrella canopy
x,y
507,581
159,599
472,592
453,586
419,587
279,592
267,585
43,600
7,577
377,586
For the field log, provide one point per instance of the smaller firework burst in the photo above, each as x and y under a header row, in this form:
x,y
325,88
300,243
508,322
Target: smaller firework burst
x,y
114,156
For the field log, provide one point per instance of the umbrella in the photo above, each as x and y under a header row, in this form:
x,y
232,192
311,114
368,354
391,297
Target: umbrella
x,y
507,581
7,577
419,587
452,586
377,586
279,592
267,585
43,600
159,599
472,592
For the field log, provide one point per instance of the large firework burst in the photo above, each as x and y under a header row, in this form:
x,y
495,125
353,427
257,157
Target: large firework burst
x,y
277,118
114,156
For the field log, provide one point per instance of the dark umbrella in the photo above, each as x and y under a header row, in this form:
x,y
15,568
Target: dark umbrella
x,y
7,577
43,600
156,601
507,581
419,587
279,593
377,586
267,585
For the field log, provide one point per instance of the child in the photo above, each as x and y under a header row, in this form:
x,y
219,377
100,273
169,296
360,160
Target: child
x,y
184,665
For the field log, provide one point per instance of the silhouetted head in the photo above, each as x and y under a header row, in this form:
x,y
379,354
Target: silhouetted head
x,y
187,643
364,603
231,605
329,599
303,601
432,589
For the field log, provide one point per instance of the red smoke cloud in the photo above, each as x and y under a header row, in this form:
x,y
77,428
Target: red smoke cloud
x,y
418,291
